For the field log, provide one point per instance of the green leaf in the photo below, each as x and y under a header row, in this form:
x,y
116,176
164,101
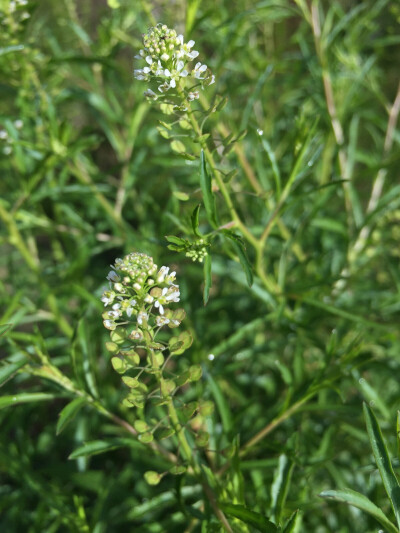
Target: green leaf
x,y
27,397
95,447
292,523
206,188
221,403
195,220
382,459
256,520
8,371
68,413
351,497
241,253
398,433
207,278
176,240
280,486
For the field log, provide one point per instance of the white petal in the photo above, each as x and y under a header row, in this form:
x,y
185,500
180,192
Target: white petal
x,y
149,60
167,73
190,44
172,83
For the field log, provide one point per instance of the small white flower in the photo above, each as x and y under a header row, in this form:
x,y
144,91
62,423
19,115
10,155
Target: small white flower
x,y
173,296
150,94
142,316
159,307
109,324
162,321
3,134
162,273
108,297
114,314
193,96
193,54
198,70
113,276
18,124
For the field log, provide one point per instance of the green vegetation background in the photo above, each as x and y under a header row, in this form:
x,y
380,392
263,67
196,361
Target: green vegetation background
x,y
86,178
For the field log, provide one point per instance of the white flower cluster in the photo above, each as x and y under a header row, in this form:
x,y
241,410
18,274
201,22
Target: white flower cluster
x,y
137,289
167,57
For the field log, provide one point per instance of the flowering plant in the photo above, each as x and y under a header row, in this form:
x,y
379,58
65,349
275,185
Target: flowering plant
x,y
168,60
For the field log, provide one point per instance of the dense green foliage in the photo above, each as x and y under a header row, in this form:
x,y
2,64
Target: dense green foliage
x,y
302,319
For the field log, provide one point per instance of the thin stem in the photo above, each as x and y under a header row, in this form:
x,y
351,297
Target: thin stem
x,y
330,102
187,452
221,185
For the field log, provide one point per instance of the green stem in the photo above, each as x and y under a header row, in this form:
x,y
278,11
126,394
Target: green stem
x,y
221,185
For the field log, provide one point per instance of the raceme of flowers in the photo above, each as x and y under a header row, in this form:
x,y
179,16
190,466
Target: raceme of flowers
x,y
168,60
139,295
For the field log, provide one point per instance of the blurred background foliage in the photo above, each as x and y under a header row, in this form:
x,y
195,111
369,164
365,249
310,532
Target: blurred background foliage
x,y
86,178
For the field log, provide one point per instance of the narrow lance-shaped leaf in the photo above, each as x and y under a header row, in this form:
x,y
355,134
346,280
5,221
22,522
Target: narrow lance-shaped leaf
x,y
27,397
207,278
382,459
8,371
241,253
398,433
206,188
256,520
69,412
280,486
195,220
351,497
292,523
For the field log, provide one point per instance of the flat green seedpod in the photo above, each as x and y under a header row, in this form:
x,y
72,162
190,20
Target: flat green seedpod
x,y
202,439
195,372
141,426
189,409
167,387
132,383
183,378
146,437
206,408
112,347
132,359
118,336
180,343
119,365
152,478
